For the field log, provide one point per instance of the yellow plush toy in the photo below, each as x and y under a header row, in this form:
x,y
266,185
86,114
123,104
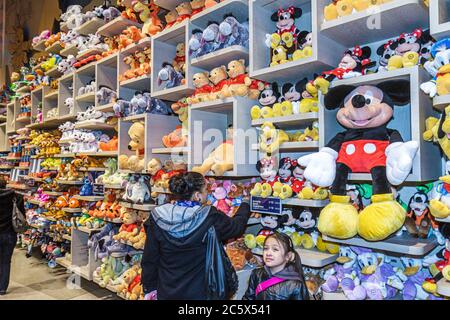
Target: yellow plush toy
x,y
409,59
279,56
271,138
137,144
433,126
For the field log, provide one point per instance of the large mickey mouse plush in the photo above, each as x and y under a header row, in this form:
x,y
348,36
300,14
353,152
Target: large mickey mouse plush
x,y
366,146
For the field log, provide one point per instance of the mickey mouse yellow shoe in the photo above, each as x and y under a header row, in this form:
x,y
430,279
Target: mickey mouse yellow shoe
x,y
307,193
276,189
438,209
297,55
286,108
255,113
381,218
320,194
257,189
307,241
276,39
286,192
330,12
277,110
266,112
339,219
266,190
344,7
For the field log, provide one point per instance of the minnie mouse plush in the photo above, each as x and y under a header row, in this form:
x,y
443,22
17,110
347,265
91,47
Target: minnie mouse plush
x,y
353,64
366,146
268,170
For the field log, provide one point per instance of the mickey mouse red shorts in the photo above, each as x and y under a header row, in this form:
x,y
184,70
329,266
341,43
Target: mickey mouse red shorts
x,y
363,155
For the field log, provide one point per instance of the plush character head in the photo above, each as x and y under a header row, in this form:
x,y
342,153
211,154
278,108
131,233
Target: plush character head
x,y
201,79
386,51
181,50
267,168
171,17
418,203
305,39
61,202
270,95
411,41
356,59
74,203
154,166
367,106
285,18
184,8
137,136
211,32
291,92
197,4
285,169
129,217
306,220
195,43
236,68
218,74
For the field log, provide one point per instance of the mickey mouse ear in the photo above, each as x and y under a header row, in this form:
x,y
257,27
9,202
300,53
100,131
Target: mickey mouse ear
x,y
335,97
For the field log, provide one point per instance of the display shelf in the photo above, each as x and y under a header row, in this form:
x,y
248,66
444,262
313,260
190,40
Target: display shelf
x,y
53,193
92,125
173,94
160,190
140,84
305,203
141,207
2,119
404,244
75,183
323,57
239,8
359,28
86,230
53,72
99,153
439,19
221,57
54,48
36,202
116,26
109,61
67,237
300,146
64,155
440,102
334,296
409,120
132,48
92,169
70,50
289,122
108,287
443,287
168,4
90,27
52,95
22,168
6,167
183,150
88,198
23,119
72,210
64,262
82,271
106,108
115,220
39,46
113,186
67,117
87,97
23,90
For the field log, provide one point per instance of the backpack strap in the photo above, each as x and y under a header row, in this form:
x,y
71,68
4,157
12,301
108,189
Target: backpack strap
x,y
267,284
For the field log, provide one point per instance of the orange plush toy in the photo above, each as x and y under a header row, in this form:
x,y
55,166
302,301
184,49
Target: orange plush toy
x,y
197,6
171,19
148,13
74,203
111,145
133,33
175,138
61,202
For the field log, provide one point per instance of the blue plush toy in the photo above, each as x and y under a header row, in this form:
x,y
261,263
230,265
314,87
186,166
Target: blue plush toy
x,y
169,76
86,189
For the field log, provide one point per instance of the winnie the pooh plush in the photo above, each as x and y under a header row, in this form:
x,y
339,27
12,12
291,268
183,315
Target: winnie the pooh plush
x,y
218,77
171,18
221,159
239,82
197,6
153,166
179,63
137,143
203,88
184,11
129,227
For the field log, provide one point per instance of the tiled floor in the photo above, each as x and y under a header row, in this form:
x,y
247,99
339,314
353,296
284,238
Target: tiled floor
x,y
32,279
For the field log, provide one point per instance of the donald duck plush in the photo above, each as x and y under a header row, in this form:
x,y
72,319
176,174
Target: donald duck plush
x,y
439,68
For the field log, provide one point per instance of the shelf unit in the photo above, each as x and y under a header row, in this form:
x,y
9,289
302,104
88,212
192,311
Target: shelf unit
x,y
116,26
82,77
210,120
439,19
107,75
293,121
141,207
50,102
90,27
376,23
164,50
403,244
54,48
409,120
324,49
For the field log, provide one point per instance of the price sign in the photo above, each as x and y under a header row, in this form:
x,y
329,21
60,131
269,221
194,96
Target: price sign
x,y
98,189
266,205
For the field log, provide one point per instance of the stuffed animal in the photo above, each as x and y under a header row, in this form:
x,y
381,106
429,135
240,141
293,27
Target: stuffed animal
x,y
148,14
267,99
184,11
179,63
234,32
105,95
220,194
439,69
440,202
171,18
271,138
196,46
170,77
438,130
111,145
137,144
153,166
87,188
218,77
378,151
221,159
197,6
268,171
203,88
239,82
177,138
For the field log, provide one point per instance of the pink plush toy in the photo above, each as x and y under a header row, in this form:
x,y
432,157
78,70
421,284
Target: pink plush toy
x,y
222,202
43,36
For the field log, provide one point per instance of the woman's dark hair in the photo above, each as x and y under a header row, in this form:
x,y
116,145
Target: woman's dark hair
x,y
184,185
288,246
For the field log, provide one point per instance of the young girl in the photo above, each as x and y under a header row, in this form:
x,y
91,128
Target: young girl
x,y
281,278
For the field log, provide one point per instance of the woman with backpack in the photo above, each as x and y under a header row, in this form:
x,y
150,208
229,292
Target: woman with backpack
x,y
8,235
174,264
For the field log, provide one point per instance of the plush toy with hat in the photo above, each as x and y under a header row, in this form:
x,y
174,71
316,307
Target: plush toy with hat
x,y
439,68
366,146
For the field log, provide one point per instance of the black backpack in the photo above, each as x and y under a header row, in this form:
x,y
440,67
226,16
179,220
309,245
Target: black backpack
x,y
221,278
19,220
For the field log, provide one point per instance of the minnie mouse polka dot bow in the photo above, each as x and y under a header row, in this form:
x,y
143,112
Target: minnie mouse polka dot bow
x,y
290,10
268,162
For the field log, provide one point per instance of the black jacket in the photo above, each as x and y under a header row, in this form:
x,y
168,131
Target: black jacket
x,y
175,256
293,288
6,209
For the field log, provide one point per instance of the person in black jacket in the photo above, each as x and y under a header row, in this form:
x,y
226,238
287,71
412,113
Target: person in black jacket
x,y
282,277
174,260
8,237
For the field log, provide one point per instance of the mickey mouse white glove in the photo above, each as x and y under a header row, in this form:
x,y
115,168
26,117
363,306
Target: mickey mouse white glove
x,y
400,156
429,88
320,167
268,40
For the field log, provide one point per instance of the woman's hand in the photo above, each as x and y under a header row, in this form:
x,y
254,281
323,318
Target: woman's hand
x,y
151,296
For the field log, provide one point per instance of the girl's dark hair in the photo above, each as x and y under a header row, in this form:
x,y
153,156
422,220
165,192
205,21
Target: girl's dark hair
x,y
288,246
3,183
184,185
